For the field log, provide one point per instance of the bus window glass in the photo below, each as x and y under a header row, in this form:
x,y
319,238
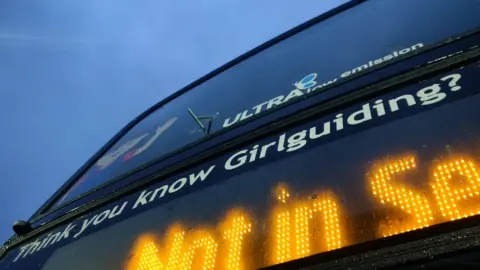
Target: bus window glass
x,y
402,161
336,49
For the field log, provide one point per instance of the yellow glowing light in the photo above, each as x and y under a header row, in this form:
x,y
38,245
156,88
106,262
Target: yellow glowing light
x,y
283,195
448,196
387,191
149,259
177,234
145,255
237,226
293,230
329,207
295,221
205,242
303,214
282,228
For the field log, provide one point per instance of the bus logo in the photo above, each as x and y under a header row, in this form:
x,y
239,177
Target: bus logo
x,y
307,82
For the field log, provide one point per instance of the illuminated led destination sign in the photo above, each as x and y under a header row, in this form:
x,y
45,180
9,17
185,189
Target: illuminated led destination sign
x,y
402,161
302,227
407,192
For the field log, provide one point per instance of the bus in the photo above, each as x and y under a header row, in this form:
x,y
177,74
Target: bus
x,y
349,142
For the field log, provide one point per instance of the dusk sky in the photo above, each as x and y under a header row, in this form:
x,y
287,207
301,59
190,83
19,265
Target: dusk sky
x,y
73,73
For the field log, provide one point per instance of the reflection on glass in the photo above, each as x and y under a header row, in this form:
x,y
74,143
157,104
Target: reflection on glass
x,y
403,161
283,73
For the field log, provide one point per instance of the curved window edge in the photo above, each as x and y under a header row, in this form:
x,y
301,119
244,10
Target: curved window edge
x,y
44,208
393,83
50,208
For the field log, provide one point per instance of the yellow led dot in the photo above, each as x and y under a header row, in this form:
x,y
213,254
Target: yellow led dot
x,y
177,235
327,205
145,255
201,240
387,191
282,227
282,194
236,227
302,215
446,197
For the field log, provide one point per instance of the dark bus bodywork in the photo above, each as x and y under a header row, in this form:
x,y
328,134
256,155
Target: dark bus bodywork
x,y
349,141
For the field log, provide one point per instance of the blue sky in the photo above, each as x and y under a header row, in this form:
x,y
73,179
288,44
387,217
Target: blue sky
x,y
73,73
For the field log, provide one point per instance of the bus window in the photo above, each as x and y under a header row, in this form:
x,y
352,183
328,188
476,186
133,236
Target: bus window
x,y
399,162
350,43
